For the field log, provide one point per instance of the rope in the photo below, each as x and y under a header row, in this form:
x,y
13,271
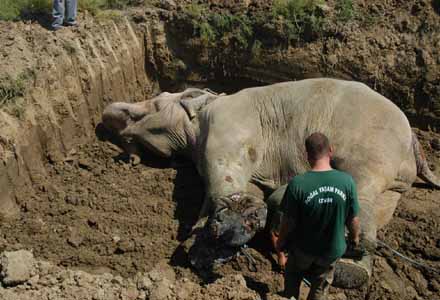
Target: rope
x,y
412,261
252,264
399,254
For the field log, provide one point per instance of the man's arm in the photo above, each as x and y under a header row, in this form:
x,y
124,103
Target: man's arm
x,y
354,230
353,222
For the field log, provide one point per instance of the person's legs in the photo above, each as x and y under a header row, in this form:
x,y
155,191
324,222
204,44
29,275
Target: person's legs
x,y
292,282
57,13
321,277
297,264
71,7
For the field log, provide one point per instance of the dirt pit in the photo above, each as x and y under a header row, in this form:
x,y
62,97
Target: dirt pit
x,y
95,212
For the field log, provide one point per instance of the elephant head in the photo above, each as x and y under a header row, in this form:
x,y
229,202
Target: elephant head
x,y
161,124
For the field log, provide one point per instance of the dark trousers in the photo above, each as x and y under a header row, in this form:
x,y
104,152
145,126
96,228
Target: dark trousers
x,y
318,270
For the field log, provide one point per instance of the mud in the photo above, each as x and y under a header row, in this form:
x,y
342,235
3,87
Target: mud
x,y
96,212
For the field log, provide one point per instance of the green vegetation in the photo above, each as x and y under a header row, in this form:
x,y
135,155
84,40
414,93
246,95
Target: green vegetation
x,y
228,39
15,9
234,30
290,21
344,10
12,93
10,89
299,17
109,14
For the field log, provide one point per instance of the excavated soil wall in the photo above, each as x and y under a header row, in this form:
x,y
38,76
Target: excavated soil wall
x,y
74,74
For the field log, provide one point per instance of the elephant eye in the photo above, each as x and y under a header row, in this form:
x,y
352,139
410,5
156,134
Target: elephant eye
x,y
222,209
156,130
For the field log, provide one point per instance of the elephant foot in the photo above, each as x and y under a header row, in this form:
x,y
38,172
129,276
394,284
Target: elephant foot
x,y
351,273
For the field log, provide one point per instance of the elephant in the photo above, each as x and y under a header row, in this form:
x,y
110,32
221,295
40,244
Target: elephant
x,y
248,145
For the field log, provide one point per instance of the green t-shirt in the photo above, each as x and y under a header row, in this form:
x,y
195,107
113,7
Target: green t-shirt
x,y
319,204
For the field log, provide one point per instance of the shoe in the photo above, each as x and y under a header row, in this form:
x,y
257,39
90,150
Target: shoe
x,y
74,24
56,27
355,252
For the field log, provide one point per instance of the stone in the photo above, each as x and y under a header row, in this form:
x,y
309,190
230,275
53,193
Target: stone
x,y
85,164
332,59
144,283
435,144
75,239
167,4
16,267
161,290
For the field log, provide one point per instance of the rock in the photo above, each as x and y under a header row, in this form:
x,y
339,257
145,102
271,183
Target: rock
x,y
16,267
116,238
185,288
324,8
159,283
435,144
162,290
85,164
338,296
332,59
125,246
167,4
144,283
235,280
75,239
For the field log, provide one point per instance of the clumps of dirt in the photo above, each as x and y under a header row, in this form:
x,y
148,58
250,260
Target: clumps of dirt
x,y
48,281
104,224
96,211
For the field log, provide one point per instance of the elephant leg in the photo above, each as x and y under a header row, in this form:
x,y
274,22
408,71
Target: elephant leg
x,y
385,206
353,273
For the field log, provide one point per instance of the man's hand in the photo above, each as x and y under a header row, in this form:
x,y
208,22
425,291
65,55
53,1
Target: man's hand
x,y
281,256
282,260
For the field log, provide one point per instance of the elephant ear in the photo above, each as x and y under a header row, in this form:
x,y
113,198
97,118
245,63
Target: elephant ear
x,y
194,105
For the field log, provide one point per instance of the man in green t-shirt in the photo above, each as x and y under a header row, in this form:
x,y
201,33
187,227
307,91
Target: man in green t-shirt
x,y
317,206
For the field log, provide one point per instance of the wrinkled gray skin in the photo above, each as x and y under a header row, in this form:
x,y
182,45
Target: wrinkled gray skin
x,y
254,140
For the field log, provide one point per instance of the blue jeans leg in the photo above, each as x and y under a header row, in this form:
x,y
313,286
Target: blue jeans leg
x,y
58,13
71,7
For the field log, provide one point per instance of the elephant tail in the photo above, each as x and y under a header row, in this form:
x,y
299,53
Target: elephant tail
x,y
423,170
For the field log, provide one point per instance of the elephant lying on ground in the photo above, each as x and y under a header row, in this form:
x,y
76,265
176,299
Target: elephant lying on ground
x,y
249,144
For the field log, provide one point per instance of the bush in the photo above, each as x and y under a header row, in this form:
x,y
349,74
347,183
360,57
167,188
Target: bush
x,y
214,27
11,89
344,10
13,9
299,17
92,6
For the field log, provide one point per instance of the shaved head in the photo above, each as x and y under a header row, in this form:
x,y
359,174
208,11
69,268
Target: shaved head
x,y
317,146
